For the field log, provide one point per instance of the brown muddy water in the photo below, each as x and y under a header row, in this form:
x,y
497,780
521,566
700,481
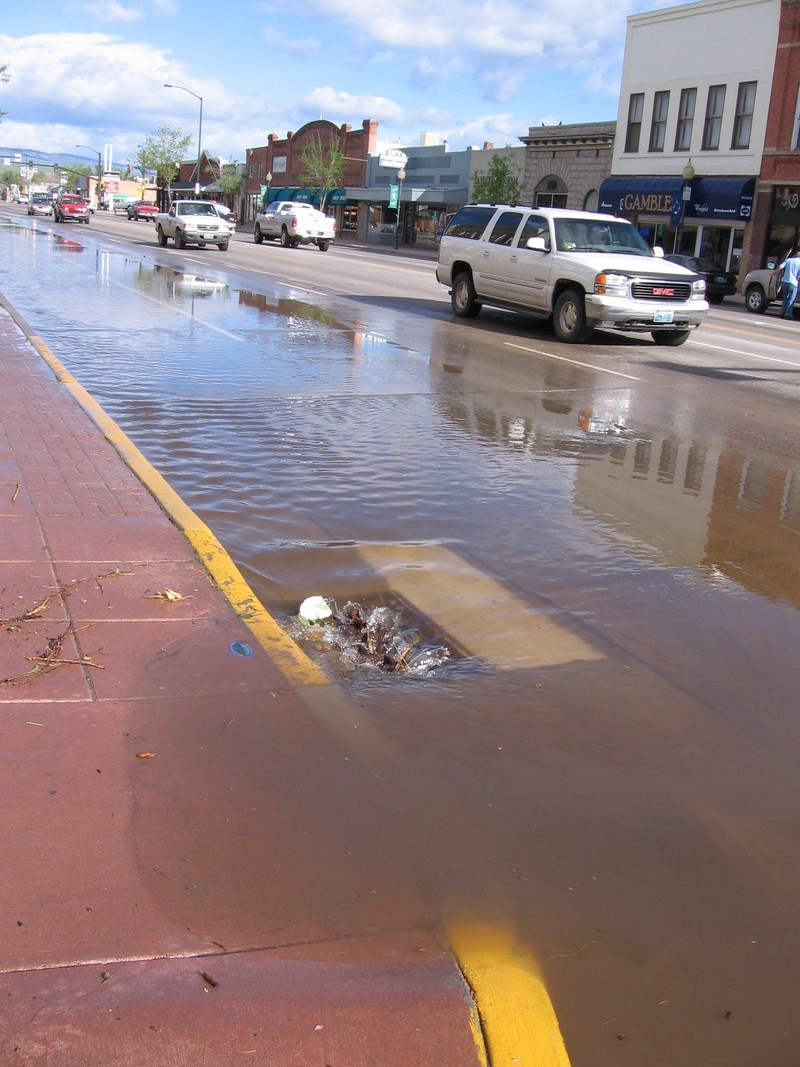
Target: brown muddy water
x,y
608,765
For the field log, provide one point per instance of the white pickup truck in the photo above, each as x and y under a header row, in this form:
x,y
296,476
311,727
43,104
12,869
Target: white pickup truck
x,y
582,270
294,223
192,222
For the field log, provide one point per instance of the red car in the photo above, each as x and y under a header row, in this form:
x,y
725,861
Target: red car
x,y
70,208
141,209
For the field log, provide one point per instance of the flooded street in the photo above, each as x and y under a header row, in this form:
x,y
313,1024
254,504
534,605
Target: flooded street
x,y
606,538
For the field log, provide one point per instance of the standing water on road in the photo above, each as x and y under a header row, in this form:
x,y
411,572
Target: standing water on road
x,y
606,766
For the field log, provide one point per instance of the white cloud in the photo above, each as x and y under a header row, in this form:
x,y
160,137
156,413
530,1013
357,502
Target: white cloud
x,y
330,102
108,11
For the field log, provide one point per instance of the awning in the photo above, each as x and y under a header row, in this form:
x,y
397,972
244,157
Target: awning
x,y
722,198
712,199
277,192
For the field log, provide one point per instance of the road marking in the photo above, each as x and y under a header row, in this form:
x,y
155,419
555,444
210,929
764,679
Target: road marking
x,y
575,362
480,614
749,355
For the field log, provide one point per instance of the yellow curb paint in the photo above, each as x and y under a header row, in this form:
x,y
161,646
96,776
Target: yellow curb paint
x,y
287,656
513,1021
519,1024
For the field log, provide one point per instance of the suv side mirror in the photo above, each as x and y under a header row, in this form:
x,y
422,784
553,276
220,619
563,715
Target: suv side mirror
x,y
658,252
537,244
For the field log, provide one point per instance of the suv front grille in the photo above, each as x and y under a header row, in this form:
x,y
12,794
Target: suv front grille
x,y
661,289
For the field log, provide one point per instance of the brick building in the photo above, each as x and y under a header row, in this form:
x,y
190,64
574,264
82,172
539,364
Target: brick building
x,y
776,212
273,171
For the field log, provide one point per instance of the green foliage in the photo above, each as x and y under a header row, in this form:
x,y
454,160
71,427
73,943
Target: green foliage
x,y
229,178
322,167
499,184
162,151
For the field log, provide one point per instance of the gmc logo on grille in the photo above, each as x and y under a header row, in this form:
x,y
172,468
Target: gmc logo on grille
x,y
662,291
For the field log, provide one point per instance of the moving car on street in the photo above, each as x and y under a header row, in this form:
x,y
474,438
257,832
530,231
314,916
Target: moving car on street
x,y
142,209
294,223
69,207
580,269
40,204
192,222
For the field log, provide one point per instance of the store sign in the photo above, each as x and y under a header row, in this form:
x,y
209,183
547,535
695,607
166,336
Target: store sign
x,y
392,157
394,195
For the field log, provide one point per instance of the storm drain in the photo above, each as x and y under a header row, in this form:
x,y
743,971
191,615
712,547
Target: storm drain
x,y
379,634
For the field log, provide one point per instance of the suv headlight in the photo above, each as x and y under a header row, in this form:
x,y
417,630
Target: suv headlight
x,y
611,284
699,287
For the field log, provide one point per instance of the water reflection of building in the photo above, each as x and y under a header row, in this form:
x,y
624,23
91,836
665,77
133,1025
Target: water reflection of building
x,y
672,500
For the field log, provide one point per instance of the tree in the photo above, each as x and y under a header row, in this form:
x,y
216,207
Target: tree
x,y
229,178
73,173
499,184
322,166
162,151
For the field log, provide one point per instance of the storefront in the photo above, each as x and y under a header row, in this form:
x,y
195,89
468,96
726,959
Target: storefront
x,y
709,222
783,232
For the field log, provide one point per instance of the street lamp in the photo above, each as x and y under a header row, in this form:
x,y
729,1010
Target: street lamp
x,y
199,132
99,167
687,174
400,176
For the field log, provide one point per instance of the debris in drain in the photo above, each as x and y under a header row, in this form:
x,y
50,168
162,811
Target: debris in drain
x,y
315,609
377,637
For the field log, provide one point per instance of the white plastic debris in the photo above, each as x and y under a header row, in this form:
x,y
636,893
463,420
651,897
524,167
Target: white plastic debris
x,y
315,609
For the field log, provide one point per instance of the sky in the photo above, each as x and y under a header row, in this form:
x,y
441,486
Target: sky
x,y
92,72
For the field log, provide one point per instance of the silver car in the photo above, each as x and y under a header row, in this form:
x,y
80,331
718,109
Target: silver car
x,y
40,204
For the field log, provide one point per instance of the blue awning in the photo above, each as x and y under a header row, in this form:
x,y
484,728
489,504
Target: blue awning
x,y
722,198
713,199
638,195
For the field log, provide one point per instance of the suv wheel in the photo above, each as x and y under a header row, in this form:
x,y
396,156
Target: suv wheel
x,y
258,236
755,300
286,240
569,318
463,298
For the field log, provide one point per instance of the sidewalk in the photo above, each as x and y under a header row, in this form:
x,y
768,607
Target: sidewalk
x,y
141,716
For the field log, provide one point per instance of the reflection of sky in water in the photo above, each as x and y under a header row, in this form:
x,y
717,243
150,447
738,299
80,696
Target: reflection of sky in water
x,y
267,415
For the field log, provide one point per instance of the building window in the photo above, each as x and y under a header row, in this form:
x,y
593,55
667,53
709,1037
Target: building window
x,y
550,192
635,112
713,123
683,133
743,124
658,126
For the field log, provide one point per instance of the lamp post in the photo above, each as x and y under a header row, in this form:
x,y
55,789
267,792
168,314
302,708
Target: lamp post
x,y
268,178
687,174
400,176
199,132
99,167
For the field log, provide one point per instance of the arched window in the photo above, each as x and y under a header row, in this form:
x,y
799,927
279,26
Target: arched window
x,y
591,201
550,192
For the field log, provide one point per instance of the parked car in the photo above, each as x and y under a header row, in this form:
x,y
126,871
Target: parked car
x,y
294,223
40,204
762,287
142,209
719,282
70,207
582,270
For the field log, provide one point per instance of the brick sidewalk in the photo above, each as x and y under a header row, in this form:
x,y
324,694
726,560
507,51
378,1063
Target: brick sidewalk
x,y
147,919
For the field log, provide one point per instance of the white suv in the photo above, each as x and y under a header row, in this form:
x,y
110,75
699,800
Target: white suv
x,y
584,270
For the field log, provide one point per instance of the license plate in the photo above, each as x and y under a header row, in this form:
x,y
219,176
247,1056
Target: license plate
x,y
662,316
